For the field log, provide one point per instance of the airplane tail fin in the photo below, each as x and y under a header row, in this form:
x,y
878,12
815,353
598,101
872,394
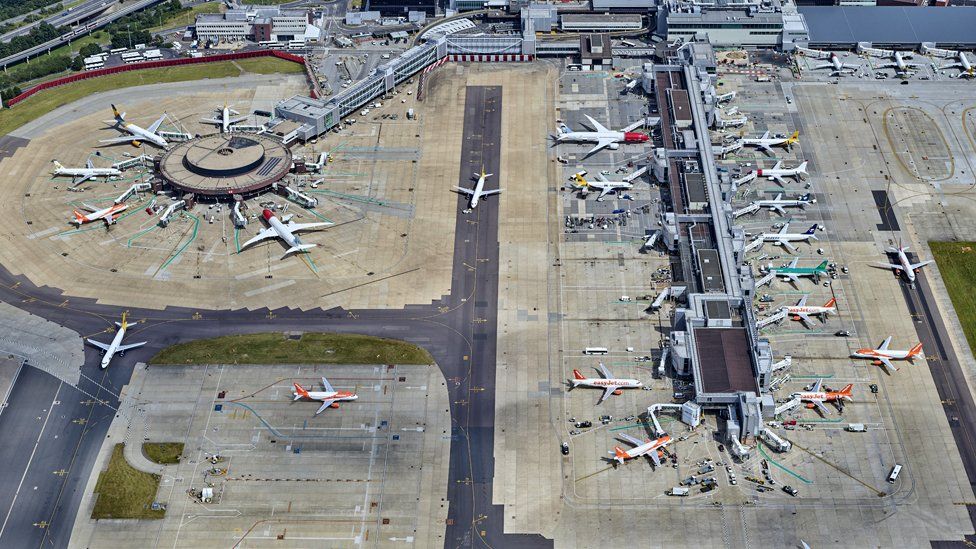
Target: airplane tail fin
x,y
125,323
812,231
300,391
831,303
118,116
58,166
915,351
848,391
618,454
795,137
578,375
802,168
580,180
300,248
823,264
79,217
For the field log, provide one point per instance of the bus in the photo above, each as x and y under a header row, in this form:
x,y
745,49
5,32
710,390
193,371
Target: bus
x,y
893,475
362,35
628,43
296,45
133,57
95,65
117,50
271,44
595,351
153,54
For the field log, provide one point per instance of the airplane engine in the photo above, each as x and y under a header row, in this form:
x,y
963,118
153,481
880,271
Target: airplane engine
x,y
613,146
618,392
334,405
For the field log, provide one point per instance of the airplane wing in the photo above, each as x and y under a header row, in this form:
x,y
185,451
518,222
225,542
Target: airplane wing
x,y
98,344
599,145
765,135
779,180
803,301
596,125
604,191
884,344
633,126
795,262
464,191
784,228
265,233
653,455
887,363
787,245
88,207
922,264
108,219
779,209
114,140
605,372
326,385
824,66
131,346
237,120
823,409
764,147
805,319
325,404
792,278
491,192
633,440
83,178
607,392
156,124
888,266
211,121
294,227
817,386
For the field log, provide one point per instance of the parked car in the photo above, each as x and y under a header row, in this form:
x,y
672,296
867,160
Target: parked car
x,y
790,490
564,448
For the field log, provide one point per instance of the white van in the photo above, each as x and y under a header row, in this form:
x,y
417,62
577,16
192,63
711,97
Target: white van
x,y
893,475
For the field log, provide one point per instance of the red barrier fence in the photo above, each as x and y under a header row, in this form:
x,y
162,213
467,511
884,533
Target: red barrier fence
x,y
153,65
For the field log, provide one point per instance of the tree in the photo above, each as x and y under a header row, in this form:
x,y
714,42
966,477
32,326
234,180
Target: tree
x,y
77,63
89,50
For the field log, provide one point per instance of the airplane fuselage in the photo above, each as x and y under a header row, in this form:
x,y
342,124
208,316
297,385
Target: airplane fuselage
x,y
113,347
604,382
820,396
81,219
289,237
142,134
479,188
810,310
595,137
906,265
88,172
644,449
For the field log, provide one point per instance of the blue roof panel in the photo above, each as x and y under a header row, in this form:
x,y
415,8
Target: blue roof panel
x,y
890,25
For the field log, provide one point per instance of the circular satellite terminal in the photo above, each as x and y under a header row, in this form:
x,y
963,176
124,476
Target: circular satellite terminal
x,y
219,166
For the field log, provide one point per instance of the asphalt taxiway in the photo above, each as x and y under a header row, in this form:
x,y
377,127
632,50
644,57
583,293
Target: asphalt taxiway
x,y
60,427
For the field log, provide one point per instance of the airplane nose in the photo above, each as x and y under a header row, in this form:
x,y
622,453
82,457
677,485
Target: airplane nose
x,y
267,214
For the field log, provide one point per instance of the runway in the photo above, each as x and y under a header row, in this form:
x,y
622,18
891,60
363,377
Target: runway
x,y
51,462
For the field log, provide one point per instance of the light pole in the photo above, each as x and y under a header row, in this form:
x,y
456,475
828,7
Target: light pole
x,y
130,36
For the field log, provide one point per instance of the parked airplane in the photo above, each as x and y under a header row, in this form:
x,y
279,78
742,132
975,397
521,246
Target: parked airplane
x,y
793,273
86,173
653,449
605,187
778,172
838,68
784,239
478,192
779,203
766,143
109,215
136,135
882,356
904,265
802,312
816,397
898,63
603,137
330,397
116,346
966,69
226,119
608,383
285,231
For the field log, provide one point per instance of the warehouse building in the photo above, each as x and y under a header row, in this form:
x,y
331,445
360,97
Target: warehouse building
x,y
257,23
590,22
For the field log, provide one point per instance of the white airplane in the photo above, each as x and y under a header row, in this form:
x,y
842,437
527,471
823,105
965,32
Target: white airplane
x,y
766,143
779,203
966,69
602,136
86,173
109,215
904,265
285,231
116,346
898,63
802,312
605,187
838,68
330,397
882,356
136,135
478,192
778,172
816,396
653,449
784,239
609,384
226,120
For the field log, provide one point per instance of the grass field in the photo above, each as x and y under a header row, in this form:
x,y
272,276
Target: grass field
x,y
311,348
163,453
48,100
189,17
124,492
957,265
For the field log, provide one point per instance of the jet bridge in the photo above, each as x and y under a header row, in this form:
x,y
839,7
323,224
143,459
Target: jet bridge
x,y
170,210
766,279
787,406
750,209
138,187
301,198
747,178
780,315
775,441
143,160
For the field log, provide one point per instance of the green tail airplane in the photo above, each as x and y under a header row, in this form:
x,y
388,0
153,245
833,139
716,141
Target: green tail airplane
x,y
793,273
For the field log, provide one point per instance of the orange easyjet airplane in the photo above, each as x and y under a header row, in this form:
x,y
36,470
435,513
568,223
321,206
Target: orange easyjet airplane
x,y
329,397
882,356
815,397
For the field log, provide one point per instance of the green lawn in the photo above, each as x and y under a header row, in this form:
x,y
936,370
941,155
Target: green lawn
x,y
189,17
957,265
125,493
48,100
163,453
311,348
